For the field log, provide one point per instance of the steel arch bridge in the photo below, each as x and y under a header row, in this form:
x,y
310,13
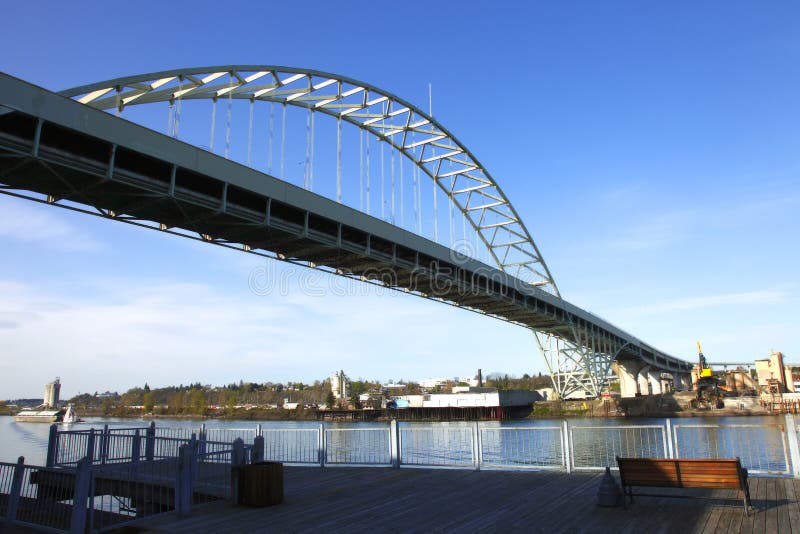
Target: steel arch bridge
x,y
99,165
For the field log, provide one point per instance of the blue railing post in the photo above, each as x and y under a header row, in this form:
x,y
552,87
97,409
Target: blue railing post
x,y
90,446
16,490
394,443
136,447
202,438
183,479
83,479
150,442
193,445
104,439
52,446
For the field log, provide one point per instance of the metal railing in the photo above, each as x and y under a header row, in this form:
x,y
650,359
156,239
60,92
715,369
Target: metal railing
x,y
522,447
37,496
118,493
298,446
595,447
761,448
357,446
439,446
127,474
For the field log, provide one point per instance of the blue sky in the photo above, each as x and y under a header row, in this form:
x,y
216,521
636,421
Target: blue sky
x,y
650,147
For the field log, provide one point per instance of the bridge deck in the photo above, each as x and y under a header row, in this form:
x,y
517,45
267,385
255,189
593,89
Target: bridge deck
x,y
417,500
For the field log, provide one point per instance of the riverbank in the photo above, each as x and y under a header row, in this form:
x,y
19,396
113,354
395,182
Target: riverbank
x,y
666,405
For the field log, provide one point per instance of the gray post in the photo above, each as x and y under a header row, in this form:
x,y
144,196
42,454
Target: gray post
x,y
16,489
136,447
794,448
52,446
321,452
237,461
258,449
183,480
565,443
83,480
394,443
150,442
669,451
476,461
258,430
238,457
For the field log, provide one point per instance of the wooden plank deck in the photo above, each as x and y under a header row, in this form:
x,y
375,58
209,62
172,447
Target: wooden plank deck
x,y
437,500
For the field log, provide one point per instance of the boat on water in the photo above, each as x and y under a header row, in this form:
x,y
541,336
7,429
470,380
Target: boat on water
x,y
48,411
37,415
70,417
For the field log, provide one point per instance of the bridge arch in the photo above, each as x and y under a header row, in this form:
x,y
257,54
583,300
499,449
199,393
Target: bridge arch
x,y
408,129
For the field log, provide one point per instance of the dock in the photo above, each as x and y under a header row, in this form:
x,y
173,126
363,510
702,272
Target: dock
x,y
352,499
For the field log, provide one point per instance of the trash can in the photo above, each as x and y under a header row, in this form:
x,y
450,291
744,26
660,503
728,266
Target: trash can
x,y
260,484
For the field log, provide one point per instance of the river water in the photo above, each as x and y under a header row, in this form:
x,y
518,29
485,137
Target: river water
x,y
758,440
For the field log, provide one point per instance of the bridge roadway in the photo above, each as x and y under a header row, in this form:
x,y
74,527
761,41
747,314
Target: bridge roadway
x,y
56,150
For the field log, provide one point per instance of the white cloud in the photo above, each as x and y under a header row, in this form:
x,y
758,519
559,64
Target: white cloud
x,y
709,301
129,332
34,223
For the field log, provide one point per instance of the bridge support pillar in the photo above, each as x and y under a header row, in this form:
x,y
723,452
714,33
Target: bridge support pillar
x,y
628,372
654,381
643,381
683,381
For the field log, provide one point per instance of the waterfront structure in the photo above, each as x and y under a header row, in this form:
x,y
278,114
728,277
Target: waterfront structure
x,y
471,397
68,153
340,385
773,375
48,411
52,391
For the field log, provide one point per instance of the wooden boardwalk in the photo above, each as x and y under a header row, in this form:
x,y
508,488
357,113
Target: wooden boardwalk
x,y
428,500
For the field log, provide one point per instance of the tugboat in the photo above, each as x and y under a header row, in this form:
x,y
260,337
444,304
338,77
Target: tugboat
x,y
70,417
48,411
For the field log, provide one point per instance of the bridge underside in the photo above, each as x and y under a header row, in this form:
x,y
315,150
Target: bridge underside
x,y
118,175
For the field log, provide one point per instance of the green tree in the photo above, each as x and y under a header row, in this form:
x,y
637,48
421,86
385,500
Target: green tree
x,y
148,402
107,406
199,402
330,400
176,403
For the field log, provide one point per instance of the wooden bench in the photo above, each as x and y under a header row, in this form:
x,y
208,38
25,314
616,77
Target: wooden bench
x,y
688,473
